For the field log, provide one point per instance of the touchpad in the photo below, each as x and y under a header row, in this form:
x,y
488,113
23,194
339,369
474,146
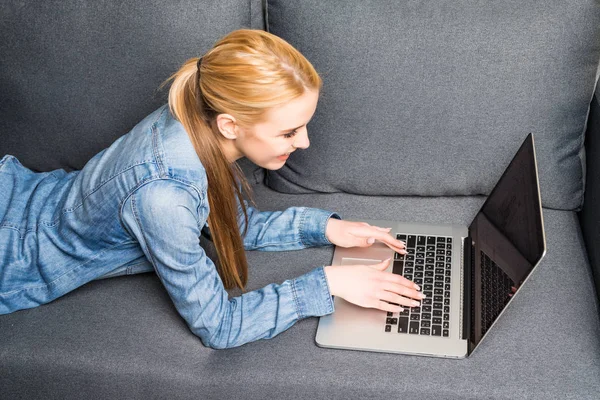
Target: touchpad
x,y
360,261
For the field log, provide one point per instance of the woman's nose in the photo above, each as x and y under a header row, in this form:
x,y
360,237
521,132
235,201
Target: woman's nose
x,y
302,142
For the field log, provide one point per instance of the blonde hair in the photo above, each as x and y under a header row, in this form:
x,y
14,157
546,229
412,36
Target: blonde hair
x,y
245,74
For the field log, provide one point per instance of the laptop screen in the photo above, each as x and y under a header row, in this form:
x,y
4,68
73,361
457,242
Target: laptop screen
x,y
508,240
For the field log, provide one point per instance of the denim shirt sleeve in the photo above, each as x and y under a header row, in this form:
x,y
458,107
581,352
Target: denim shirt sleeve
x,y
166,217
292,229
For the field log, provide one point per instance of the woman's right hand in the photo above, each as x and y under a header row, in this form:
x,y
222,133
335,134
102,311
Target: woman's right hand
x,y
371,287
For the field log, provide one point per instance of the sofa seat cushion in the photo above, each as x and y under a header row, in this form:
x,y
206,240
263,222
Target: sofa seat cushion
x,y
122,335
444,93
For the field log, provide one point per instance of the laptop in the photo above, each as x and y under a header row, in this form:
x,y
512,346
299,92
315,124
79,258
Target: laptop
x,y
468,274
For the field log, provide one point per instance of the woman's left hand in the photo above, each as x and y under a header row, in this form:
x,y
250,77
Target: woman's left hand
x,y
360,234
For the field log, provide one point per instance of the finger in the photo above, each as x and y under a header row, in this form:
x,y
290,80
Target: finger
x,y
385,306
403,291
382,266
395,298
383,236
400,280
382,229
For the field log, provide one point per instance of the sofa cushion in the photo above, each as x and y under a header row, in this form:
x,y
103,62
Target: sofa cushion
x,y
434,99
123,335
76,75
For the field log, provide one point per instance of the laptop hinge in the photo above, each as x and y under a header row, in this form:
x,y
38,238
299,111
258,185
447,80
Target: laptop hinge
x,y
467,303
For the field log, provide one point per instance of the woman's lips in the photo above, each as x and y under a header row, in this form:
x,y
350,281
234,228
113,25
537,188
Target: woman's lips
x,y
283,157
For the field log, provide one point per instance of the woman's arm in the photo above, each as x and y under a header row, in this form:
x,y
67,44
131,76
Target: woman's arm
x,y
292,229
166,216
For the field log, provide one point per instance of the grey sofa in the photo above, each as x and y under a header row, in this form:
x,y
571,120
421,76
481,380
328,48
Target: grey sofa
x,y
424,104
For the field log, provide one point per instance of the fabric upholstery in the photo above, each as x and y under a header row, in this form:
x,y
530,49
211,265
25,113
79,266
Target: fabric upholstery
x,y
590,215
76,75
122,335
434,99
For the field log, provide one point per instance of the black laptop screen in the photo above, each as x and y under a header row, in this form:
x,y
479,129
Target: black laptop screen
x,y
508,240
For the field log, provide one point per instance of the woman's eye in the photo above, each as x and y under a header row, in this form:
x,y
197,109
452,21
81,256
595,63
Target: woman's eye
x,y
289,135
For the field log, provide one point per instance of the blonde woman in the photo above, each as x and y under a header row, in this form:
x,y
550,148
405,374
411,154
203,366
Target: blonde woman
x,y
142,204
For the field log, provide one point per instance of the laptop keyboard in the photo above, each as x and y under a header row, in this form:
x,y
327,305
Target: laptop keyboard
x,y
428,263
496,287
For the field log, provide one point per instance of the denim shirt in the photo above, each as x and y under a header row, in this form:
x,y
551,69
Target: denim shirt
x,y
137,206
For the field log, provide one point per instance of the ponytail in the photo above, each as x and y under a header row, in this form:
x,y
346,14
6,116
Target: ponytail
x,y
187,105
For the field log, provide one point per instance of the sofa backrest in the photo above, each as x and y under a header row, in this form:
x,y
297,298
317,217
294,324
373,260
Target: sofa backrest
x,y
434,98
77,74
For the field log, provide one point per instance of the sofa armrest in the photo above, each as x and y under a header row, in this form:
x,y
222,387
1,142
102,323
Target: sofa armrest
x,y
589,216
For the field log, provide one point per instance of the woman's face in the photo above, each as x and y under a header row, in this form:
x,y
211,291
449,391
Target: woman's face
x,y
269,143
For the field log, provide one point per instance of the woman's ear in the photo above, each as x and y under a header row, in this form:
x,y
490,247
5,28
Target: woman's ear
x,y
227,126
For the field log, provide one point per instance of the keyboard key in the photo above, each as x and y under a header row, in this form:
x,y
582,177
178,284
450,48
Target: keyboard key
x,y
436,330
421,240
441,240
425,324
388,328
403,325
446,333
414,327
401,237
430,239
437,313
390,314
411,241
449,240
416,317
426,316
398,267
391,321
424,331
436,320
446,325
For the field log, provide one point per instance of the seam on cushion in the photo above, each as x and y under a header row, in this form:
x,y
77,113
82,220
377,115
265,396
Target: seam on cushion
x,y
266,14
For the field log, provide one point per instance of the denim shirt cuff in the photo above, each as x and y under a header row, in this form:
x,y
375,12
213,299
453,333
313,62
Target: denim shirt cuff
x,y
311,294
313,223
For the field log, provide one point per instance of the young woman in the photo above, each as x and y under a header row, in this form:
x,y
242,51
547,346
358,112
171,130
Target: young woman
x,y
141,204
